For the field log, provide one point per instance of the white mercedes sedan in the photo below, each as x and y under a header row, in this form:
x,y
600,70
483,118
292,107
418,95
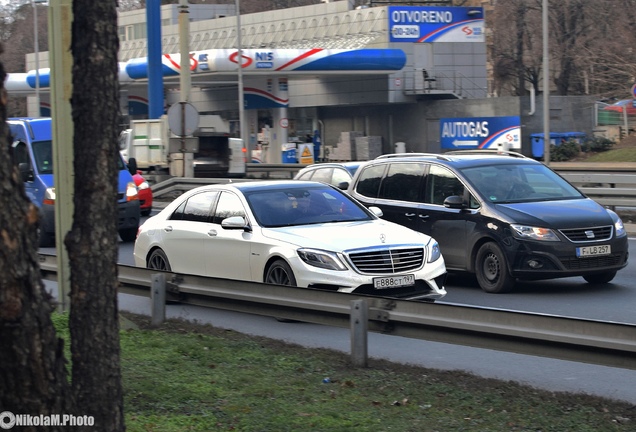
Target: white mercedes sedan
x,y
297,233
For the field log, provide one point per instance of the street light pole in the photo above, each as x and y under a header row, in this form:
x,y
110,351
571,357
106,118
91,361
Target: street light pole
x,y
36,46
241,103
546,85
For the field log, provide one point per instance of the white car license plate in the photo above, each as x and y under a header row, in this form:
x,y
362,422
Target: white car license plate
x,y
393,281
590,251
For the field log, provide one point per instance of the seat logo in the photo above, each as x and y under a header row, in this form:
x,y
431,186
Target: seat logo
x,y
589,234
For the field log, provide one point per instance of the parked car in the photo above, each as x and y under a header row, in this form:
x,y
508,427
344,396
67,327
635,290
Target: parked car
x,y
144,192
613,114
338,174
625,105
502,217
297,233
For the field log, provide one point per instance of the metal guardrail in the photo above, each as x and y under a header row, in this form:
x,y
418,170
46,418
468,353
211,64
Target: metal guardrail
x,y
607,187
283,170
178,185
580,340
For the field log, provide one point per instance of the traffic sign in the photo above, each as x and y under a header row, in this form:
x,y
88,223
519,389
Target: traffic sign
x,y
183,119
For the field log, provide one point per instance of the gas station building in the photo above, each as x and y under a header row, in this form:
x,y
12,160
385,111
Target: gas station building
x,y
326,70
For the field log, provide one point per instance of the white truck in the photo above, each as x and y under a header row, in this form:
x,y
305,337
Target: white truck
x,y
156,149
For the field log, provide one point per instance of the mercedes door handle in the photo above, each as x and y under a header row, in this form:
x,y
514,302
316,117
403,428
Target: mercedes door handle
x,y
168,228
422,216
212,233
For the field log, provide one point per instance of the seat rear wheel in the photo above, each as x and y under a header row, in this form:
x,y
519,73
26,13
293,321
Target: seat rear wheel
x,y
491,269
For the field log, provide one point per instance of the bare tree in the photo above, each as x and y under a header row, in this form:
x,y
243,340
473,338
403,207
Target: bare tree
x,y
126,5
589,46
248,6
510,44
517,47
609,62
570,27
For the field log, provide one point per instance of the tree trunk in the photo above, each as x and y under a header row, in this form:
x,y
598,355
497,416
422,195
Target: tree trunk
x,y
33,377
92,242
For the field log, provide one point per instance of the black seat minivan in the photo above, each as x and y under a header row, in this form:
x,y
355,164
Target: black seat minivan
x,y
501,216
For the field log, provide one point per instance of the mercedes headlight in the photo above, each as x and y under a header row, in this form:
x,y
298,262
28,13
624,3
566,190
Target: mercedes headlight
x,y
433,251
321,259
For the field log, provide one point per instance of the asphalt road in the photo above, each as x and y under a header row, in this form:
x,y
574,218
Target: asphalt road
x,y
571,297
566,297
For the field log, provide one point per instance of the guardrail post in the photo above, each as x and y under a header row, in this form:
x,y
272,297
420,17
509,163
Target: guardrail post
x,y
158,299
359,332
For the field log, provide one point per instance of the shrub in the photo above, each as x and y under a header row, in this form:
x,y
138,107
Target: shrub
x,y
565,151
597,144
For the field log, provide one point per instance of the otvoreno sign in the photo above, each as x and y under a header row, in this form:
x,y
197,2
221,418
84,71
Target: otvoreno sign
x,y
436,24
481,133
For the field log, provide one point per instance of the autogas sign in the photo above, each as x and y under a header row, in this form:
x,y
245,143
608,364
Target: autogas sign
x,y
436,24
480,133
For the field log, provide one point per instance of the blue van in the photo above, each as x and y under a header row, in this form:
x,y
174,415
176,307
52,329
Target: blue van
x,y
33,152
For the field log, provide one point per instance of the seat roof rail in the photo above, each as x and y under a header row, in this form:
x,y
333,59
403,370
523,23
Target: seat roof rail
x,y
399,155
489,152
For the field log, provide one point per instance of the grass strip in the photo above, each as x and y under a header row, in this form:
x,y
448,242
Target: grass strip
x,y
185,376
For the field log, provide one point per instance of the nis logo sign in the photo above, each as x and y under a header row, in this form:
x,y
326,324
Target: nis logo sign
x,y
264,60
261,60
